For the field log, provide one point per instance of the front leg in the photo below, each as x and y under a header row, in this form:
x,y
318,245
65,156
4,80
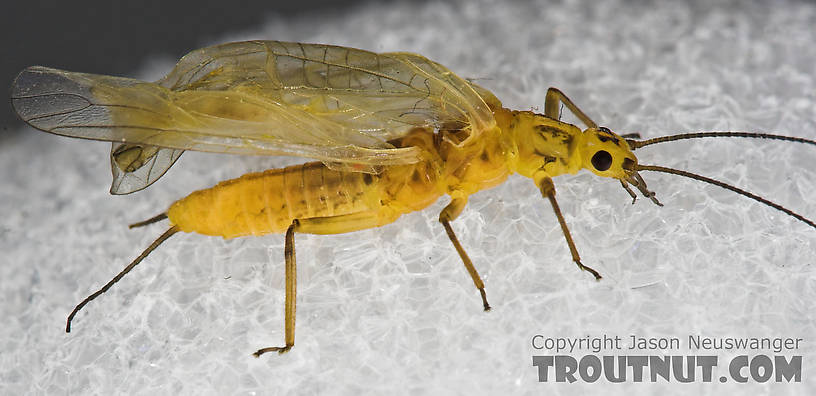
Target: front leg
x,y
451,212
551,107
548,190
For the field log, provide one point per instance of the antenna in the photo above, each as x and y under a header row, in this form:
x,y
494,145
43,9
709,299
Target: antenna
x,y
727,187
636,144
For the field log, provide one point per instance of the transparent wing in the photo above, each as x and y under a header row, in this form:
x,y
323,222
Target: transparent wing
x,y
335,104
135,167
380,95
126,110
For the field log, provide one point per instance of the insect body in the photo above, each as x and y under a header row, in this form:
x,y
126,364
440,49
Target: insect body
x,y
392,133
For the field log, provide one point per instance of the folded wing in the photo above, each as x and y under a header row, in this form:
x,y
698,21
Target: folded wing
x,y
335,104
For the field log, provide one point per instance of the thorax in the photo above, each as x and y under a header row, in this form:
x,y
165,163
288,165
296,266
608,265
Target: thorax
x,y
538,145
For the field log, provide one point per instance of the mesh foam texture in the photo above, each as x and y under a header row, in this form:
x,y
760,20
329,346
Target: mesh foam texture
x,y
392,309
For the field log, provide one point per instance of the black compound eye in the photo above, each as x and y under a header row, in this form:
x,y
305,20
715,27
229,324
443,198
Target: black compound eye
x,y
602,160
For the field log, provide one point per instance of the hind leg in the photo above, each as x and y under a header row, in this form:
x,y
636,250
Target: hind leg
x,y
291,294
316,225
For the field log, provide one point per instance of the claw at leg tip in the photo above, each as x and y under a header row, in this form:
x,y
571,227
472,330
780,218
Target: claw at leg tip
x,y
280,350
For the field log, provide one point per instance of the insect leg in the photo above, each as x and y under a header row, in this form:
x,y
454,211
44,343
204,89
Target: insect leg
x,y
346,223
548,190
317,225
556,97
451,212
291,293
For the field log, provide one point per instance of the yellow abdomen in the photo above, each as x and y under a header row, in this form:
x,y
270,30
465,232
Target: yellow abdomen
x,y
267,202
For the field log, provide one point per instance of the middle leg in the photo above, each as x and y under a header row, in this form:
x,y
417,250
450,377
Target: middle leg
x,y
451,212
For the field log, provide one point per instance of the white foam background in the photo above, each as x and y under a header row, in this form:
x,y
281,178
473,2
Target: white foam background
x,y
392,309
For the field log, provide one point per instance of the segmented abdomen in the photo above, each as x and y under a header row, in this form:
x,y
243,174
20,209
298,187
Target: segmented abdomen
x,y
268,202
